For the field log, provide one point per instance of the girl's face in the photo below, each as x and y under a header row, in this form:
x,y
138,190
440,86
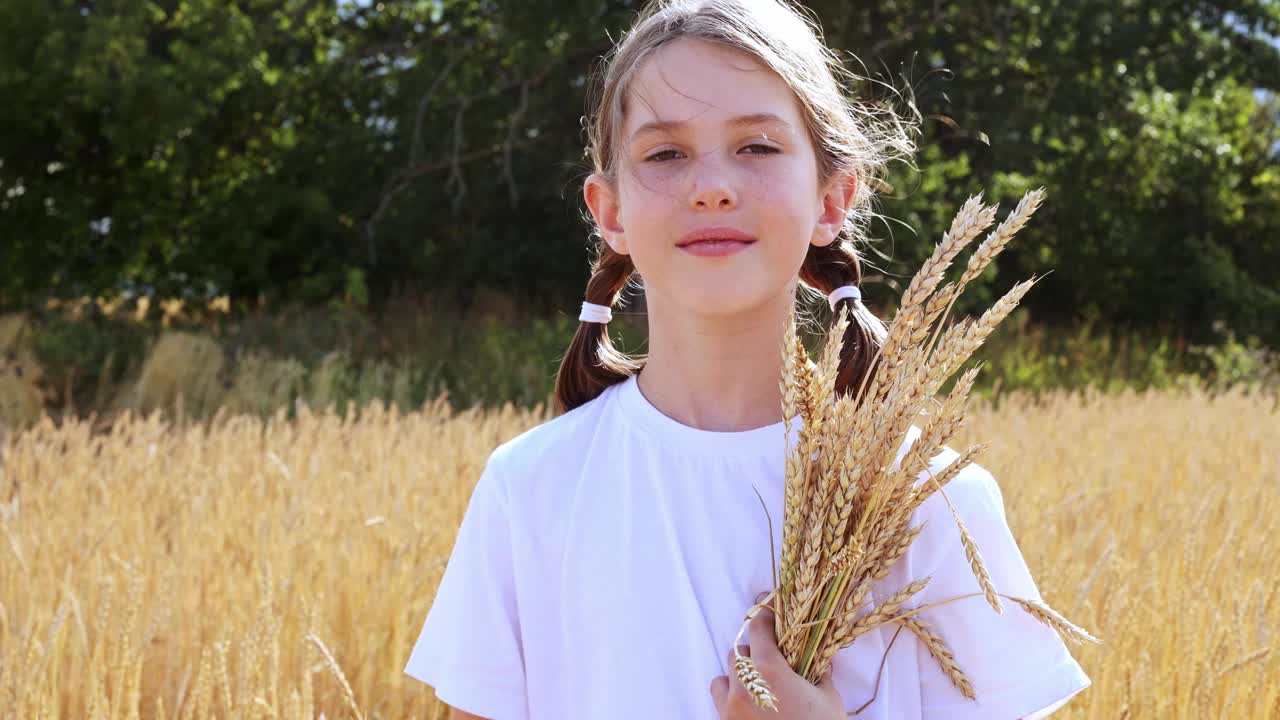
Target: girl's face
x,y
731,151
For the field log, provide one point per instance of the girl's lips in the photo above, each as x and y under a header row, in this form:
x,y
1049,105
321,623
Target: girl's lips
x,y
715,248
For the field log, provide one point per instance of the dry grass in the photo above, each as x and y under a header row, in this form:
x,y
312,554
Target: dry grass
x,y
161,572
21,399
180,363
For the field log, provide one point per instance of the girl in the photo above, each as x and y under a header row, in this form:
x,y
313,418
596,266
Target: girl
x,y
607,556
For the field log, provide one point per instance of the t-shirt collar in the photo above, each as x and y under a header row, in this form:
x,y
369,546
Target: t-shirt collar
x,y
640,413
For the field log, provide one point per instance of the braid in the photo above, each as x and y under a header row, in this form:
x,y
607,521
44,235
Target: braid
x,y
592,363
831,266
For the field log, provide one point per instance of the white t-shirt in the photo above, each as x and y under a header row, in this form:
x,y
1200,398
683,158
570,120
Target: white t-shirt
x,y
607,558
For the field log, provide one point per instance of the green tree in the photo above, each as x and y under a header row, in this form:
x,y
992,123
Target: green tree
x,y
280,149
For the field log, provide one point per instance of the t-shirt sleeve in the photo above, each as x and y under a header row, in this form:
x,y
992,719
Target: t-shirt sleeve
x,y
1020,669
470,647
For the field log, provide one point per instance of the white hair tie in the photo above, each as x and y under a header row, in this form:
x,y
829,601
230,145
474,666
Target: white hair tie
x,y
848,291
595,313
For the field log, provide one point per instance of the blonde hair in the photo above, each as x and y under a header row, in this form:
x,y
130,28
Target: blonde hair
x,y
849,136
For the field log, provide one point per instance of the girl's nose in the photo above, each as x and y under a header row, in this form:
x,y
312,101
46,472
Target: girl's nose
x,y
713,190
717,198
712,184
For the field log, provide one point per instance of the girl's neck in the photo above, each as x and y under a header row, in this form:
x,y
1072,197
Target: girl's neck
x,y
716,373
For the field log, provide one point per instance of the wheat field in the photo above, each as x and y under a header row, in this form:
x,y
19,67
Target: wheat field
x,y
282,568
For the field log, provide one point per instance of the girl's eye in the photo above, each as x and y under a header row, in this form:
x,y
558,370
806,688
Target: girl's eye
x,y
655,156
767,150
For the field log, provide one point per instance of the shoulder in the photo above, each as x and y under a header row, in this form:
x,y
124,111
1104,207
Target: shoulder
x,y
972,498
552,443
973,487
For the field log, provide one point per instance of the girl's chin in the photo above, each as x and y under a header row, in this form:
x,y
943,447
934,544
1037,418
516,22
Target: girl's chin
x,y
722,300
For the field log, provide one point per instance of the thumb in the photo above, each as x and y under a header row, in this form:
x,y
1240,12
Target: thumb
x,y
827,683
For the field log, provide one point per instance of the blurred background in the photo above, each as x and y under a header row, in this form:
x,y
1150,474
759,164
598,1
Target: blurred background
x,y
251,204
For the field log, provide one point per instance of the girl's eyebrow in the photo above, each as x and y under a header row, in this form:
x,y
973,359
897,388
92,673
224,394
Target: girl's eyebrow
x,y
733,122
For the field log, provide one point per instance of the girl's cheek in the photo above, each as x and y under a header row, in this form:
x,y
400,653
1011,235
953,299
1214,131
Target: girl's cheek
x,y
659,178
764,180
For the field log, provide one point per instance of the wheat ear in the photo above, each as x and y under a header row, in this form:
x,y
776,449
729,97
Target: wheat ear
x,y
754,682
988,250
887,608
745,669
939,650
908,329
1047,615
974,557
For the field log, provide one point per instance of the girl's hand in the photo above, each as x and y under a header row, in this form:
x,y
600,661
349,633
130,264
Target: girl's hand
x,y
796,698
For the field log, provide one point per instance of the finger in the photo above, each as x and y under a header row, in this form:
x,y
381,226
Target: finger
x,y
720,693
733,658
827,685
735,685
764,639
759,598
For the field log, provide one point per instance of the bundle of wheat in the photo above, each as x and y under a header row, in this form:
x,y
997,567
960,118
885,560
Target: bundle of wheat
x,y
847,509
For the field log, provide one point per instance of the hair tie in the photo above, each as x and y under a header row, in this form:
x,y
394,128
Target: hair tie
x,y
595,313
847,291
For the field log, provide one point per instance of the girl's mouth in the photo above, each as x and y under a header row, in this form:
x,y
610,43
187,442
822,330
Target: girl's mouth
x,y
716,248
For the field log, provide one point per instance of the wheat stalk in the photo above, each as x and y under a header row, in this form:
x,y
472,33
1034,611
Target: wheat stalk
x,y
348,696
847,509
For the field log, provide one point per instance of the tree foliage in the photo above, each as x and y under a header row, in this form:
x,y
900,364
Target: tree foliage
x,y
307,149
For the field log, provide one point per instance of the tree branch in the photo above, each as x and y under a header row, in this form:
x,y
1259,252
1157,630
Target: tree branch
x,y
415,152
455,165
415,166
512,126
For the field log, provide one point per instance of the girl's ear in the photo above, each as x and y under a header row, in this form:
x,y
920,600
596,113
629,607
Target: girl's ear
x,y
836,200
603,202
